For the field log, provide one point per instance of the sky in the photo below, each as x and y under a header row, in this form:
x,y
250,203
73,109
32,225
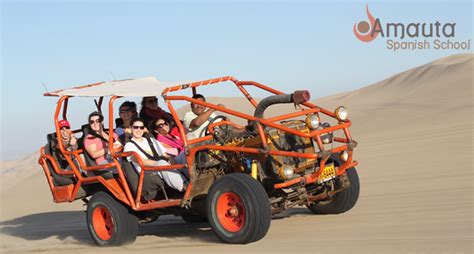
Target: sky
x,y
288,45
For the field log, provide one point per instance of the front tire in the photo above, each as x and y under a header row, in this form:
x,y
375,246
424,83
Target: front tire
x,y
110,223
238,209
342,201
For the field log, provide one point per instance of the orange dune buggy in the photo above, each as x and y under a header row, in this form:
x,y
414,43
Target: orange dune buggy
x,y
239,174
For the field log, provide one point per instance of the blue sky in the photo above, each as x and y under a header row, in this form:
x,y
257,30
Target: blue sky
x,y
288,45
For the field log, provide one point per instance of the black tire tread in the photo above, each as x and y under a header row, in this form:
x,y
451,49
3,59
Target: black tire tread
x,y
259,207
262,197
124,220
343,201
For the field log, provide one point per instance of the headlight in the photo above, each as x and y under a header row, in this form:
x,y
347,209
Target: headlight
x,y
326,137
341,113
312,121
344,156
288,171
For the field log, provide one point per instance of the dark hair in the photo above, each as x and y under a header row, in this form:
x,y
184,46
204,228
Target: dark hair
x,y
132,105
136,119
96,113
199,96
152,124
144,99
89,127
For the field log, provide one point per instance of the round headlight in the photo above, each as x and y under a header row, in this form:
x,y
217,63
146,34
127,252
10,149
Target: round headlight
x,y
341,113
312,121
326,137
344,156
288,171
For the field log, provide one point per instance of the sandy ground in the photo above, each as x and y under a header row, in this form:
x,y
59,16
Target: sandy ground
x,y
415,134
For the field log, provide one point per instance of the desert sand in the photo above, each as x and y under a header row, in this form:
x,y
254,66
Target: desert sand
x,y
415,135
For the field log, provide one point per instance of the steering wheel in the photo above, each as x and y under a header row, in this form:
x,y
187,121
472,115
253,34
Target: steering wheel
x,y
213,120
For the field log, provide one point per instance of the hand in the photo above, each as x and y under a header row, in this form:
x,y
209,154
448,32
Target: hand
x,y
73,141
221,105
128,130
117,145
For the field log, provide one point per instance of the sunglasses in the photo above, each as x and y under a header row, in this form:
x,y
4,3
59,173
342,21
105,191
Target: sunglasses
x,y
95,121
65,127
159,126
138,127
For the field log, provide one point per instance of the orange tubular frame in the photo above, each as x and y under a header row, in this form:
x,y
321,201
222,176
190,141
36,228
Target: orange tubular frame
x,y
123,193
120,188
271,122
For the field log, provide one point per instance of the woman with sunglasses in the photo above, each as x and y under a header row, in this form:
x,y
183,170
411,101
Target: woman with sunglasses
x,y
169,137
96,142
152,153
150,110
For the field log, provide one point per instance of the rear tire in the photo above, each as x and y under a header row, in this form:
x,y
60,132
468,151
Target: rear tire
x,y
342,201
110,223
238,209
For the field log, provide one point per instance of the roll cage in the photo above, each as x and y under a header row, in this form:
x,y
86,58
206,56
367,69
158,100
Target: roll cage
x,y
120,188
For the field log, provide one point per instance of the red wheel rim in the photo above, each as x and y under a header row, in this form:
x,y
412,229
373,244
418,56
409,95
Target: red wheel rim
x,y
103,223
231,211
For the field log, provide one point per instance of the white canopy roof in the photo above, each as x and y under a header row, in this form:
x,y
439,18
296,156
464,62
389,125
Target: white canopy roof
x,y
140,87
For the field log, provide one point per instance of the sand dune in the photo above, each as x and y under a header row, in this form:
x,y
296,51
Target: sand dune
x,y
415,134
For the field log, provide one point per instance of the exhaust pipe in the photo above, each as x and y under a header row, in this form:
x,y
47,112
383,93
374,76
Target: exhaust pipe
x,y
297,97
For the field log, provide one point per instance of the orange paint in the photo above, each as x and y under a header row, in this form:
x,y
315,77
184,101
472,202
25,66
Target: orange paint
x,y
119,186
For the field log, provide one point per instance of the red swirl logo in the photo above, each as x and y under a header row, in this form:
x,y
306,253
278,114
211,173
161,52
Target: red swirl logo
x,y
364,30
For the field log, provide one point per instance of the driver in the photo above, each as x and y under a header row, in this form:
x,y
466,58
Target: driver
x,y
198,118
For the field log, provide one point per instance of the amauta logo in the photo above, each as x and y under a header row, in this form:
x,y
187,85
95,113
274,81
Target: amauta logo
x,y
364,31
410,36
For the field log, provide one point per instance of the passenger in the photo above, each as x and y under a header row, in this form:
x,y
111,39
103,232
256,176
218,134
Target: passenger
x,y
96,142
198,118
170,139
151,111
127,112
69,144
152,153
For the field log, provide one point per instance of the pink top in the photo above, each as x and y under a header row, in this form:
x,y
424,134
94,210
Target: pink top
x,y
100,144
173,140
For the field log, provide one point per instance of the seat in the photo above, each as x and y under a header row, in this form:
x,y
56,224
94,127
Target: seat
x,y
58,180
87,158
63,185
133,178
123,138
118,122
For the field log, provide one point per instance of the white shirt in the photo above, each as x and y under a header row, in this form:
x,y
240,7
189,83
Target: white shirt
x,y
193,133
130,147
